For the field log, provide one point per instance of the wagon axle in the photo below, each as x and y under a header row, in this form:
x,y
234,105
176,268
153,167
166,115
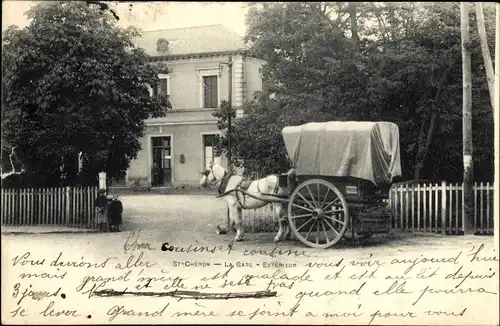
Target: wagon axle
x,y
318,214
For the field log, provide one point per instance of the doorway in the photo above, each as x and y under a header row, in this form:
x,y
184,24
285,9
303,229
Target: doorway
x,y
161,171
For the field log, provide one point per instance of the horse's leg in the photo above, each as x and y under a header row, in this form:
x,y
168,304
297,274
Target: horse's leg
x,y
286,221
278,212
237,211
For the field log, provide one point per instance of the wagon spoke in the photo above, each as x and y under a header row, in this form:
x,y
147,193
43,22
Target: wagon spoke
x,y
335,220
298,229
318,193
332,202
334,211
310,229
312,196
317,232
304,198
332,227
324,198
302,207
324,231
301,215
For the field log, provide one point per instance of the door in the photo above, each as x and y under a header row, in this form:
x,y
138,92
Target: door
x,y
209,143
162,159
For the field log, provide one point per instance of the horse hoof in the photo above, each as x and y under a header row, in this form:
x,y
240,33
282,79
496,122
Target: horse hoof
x,y
238,239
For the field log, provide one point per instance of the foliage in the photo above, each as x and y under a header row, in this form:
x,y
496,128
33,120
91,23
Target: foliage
x,y
398,62
223,114
74,82
245,143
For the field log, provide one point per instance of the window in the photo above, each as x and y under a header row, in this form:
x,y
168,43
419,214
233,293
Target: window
x,y
210,95
209,83
209,142
161,88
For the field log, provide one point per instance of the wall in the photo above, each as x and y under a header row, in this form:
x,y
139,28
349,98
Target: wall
x,y
187,120
253,77
187,140
185,83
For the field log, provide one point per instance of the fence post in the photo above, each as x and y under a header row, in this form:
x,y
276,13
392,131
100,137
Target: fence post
x,y
68,205
443,207
462,231
102,180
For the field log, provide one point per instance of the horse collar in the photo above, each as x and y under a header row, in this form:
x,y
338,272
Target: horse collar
x,y
223,183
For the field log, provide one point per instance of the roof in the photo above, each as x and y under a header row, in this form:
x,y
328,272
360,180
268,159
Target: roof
x,y
365,150
192,40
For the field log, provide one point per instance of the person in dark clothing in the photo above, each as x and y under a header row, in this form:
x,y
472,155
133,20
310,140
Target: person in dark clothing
x,y
101,205
156,174
115,211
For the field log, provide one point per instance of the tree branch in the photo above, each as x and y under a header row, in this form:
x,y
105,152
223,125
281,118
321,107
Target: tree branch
x,y
483,39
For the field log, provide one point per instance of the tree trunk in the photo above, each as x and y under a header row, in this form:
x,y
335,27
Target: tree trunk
x,y
425,138
354,27
467,121
496,206
419,162
488,65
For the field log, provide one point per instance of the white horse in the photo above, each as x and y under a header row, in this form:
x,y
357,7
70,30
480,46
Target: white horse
x,y
236,200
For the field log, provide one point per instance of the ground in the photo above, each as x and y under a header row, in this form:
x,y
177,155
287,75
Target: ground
x,y
183,222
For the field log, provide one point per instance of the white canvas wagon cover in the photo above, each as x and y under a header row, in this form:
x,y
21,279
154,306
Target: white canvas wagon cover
x,y
365,150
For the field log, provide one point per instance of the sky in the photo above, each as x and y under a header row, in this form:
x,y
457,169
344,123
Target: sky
x,y
153,15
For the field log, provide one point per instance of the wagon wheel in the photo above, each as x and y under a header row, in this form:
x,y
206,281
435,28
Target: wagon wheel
x,y
318,213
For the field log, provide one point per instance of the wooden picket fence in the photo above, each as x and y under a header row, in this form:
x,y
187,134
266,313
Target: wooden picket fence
x,y
435,208
260,220
438,208
64,206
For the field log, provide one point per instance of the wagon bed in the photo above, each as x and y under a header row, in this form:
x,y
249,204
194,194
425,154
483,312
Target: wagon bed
x,y
342,172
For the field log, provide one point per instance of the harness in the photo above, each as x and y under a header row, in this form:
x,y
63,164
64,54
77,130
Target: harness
x,y
223,182
241,194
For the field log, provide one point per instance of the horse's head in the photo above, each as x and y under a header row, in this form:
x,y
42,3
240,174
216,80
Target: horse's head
x,y
212,174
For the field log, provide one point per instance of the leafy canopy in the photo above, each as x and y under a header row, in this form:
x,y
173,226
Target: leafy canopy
x,y
398,62
74,82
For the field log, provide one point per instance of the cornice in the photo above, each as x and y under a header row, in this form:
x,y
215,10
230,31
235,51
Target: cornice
x,y
196,55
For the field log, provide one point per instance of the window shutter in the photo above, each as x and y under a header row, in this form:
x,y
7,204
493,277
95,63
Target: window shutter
x,y
164,86
206,93
214,103
210,92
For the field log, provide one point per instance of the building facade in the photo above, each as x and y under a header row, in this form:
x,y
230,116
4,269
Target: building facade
x,y
175,148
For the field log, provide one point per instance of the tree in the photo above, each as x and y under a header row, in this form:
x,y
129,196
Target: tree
x,y
396,62
74,82
483,38
247,141
222,116
467,118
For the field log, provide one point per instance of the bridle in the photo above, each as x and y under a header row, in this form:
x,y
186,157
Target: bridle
x,y
206,173
222,184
